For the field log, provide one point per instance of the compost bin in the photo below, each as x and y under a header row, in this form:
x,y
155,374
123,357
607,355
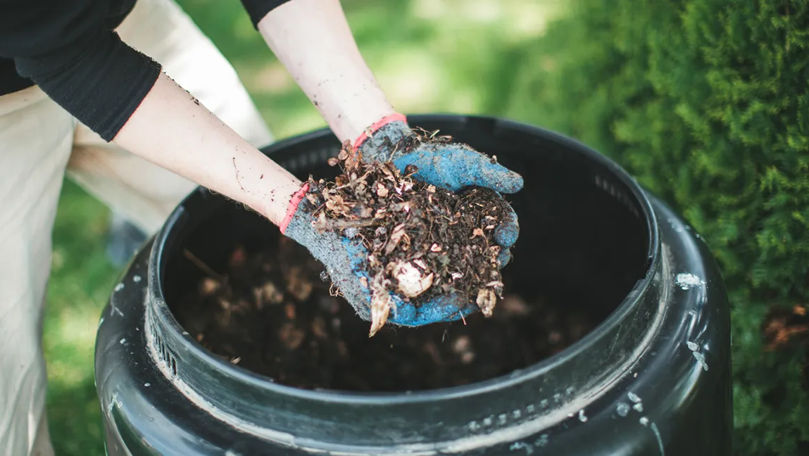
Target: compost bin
x,y
613,338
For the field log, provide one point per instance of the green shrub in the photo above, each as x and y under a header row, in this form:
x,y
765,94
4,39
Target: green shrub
x,y
707,103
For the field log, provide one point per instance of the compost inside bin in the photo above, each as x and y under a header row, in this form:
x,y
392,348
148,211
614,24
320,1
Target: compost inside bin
x,y
259,301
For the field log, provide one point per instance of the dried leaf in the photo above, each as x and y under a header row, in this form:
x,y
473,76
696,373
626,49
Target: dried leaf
x,y
404,244
364,211
381,190
291,336
297,285
395,236
312,198
381,303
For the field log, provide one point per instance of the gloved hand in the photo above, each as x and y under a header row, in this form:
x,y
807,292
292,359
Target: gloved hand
x,y
346,262
449,165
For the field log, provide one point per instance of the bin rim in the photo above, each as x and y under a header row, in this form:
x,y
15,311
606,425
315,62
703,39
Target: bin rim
x,y
158,306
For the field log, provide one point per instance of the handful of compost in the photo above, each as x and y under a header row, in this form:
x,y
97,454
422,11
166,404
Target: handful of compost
x,y
406,249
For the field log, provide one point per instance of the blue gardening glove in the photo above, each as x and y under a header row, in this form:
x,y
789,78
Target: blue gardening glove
x,y
449,165
346,262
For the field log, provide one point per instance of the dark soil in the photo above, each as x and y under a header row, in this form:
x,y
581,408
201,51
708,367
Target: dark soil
x,y
270,311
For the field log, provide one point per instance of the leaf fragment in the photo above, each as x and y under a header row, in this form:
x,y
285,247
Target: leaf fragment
x,y
381,303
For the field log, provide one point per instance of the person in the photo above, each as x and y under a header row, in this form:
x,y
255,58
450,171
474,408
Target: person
x,y
78,94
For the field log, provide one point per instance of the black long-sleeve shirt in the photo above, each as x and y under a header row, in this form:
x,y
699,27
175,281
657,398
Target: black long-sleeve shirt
x,y
70,49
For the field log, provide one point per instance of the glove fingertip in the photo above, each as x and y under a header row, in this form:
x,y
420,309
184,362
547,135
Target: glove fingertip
x,y
499,178
504,258
511,182
459,313
506,234
440,309
404,314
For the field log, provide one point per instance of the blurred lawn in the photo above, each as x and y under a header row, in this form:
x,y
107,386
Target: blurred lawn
x,y
429,56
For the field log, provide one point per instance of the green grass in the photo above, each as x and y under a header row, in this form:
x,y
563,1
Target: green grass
x,y
81,278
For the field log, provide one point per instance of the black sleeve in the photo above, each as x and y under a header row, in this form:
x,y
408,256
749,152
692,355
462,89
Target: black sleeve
x,y
70,51
257,9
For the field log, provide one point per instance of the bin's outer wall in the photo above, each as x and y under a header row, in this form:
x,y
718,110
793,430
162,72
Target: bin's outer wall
x,y
683,408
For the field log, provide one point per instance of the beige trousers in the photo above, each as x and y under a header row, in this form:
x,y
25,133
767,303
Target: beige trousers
x,y
39,142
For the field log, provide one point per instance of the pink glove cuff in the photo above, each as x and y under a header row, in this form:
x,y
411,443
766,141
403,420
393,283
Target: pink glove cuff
x,y
376,126
294,202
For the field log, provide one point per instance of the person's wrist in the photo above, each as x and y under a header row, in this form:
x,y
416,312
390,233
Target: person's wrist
x,y
369,131
294,204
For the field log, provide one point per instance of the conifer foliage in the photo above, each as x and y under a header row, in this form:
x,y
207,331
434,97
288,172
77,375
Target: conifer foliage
x,y
706,102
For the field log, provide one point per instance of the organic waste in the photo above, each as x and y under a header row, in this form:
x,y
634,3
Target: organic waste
x,y
423,241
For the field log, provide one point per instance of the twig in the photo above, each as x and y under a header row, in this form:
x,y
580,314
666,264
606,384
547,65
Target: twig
x,y
204,267
353,183
342,224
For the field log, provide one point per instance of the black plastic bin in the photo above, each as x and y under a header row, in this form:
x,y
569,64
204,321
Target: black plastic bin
x,y
652,377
